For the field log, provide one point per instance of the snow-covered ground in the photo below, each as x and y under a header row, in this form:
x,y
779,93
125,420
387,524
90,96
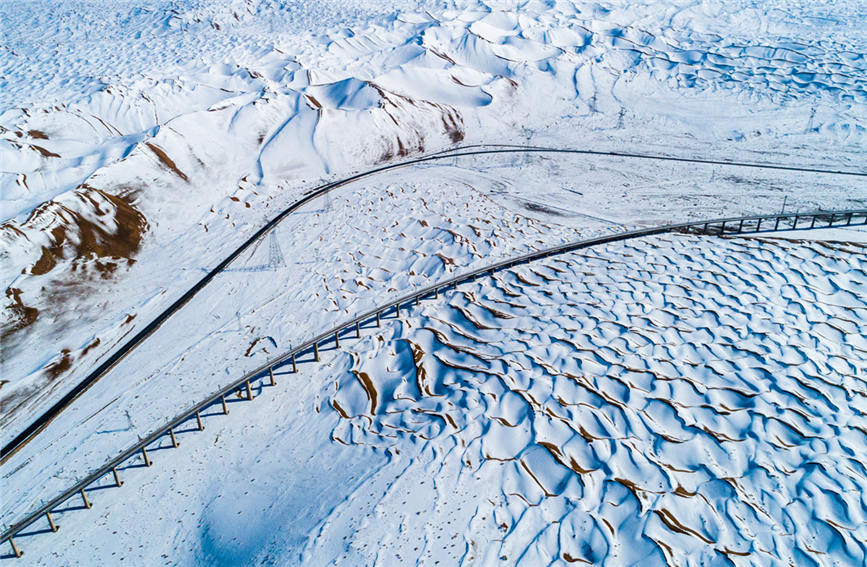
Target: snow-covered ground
x,y
162,134
140,142
668,399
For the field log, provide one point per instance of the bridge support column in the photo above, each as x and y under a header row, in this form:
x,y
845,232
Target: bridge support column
x,y
199,421
144,453
357,330
51,521
271,374
15,549
294,365
225,407
336,339
84,499
249,390
117,481
316,352
174,439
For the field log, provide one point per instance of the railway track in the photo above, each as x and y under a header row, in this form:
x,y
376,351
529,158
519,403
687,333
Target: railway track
x,y
77,390
310,350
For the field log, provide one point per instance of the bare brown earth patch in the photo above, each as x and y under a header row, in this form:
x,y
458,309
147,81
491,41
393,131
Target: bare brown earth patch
x,y
93,232
93,344
45,153
453,123
58,367
166,160
20,315
98,228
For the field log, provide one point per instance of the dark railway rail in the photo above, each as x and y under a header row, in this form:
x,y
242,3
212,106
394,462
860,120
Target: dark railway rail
x,y
736,226
48,415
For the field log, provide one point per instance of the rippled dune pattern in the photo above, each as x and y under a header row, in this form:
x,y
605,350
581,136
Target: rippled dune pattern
x,y
664,400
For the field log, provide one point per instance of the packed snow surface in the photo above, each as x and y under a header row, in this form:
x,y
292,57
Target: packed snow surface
x,y
668,400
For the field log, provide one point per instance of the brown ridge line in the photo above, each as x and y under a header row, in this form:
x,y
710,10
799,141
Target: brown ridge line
x,y
674,525
166,160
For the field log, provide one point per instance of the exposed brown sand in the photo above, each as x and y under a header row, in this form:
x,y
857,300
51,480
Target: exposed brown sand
x,y
166,160
96,231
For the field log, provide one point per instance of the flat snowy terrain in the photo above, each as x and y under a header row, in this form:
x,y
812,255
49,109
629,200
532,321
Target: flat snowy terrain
x,y
690,400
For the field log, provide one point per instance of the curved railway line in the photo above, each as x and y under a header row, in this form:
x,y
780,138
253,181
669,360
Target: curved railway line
x,y
353,328
49,414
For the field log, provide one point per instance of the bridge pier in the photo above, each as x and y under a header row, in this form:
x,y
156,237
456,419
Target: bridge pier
x,y
15,549
84,499
51,523
117,481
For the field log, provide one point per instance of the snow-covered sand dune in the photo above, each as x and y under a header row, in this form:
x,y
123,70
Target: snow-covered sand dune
x,y
657,401
335,258
339,256
651,401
